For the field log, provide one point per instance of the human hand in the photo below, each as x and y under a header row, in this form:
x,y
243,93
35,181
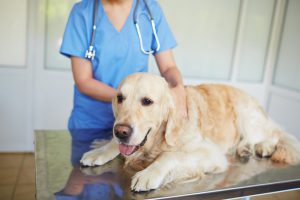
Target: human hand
x,y
180,99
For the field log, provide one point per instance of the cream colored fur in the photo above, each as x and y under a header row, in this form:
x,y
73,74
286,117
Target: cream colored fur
x,y
221,120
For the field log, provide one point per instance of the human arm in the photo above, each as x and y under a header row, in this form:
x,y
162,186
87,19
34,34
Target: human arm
x,y
83,76
74,45
168,69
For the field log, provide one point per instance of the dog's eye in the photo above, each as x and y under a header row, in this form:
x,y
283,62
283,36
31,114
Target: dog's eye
x,y
146,102
120,98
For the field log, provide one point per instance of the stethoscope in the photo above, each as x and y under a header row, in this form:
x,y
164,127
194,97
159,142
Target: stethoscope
x,y
90,53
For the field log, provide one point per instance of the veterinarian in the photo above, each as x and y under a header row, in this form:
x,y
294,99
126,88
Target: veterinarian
x,y
105,46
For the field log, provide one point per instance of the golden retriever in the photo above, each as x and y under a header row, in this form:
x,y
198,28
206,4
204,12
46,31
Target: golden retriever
x,y
164,147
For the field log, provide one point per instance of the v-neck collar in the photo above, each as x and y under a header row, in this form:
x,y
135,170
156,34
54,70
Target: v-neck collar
x,y
129,17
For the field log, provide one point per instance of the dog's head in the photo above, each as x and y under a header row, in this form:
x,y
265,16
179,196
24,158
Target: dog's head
x,y
143,103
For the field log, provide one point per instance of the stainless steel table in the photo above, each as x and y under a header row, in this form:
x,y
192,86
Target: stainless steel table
x,y
59,178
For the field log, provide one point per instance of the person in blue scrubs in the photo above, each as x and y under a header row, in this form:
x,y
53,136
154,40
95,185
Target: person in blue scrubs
x,y
118,54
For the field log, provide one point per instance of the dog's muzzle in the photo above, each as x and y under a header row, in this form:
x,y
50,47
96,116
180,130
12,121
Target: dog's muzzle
x,y
130,149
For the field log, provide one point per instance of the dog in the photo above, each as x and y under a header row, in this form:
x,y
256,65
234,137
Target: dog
x,y
164,147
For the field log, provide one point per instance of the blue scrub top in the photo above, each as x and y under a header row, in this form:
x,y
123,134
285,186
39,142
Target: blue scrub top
x,y
118,54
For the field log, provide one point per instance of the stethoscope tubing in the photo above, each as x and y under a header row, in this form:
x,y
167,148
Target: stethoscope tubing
x,y
95,12
90,53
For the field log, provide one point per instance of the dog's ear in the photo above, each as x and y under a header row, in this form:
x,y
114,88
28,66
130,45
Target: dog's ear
x,y
171,118
114,105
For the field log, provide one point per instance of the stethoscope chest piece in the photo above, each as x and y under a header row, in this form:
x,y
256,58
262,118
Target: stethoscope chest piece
x,y
90,53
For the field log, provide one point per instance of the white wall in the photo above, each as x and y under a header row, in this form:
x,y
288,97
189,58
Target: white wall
x,y
15,77
251,44
284,99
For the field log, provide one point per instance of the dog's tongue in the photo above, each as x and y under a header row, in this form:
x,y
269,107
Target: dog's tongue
x,y
127,149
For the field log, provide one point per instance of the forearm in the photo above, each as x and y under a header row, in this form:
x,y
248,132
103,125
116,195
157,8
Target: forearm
x,y
83,76
97,90
170,72
173,77
168,69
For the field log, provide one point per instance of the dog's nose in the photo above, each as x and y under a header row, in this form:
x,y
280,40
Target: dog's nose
x,y
122,131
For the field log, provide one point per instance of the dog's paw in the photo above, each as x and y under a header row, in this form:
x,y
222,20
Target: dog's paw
x,y
94,157
245,152
146,180
264,149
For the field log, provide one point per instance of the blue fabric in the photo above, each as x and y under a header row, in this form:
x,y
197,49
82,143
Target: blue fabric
x,y
96,191
82,140
118,55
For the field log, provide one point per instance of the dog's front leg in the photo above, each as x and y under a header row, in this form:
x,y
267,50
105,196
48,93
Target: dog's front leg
x,y
171,166
155,174
102,155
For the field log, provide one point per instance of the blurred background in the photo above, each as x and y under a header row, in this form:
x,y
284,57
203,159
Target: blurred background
x,y
251,44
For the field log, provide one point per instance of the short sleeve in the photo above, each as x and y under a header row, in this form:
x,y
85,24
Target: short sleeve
x,y
164,33
75,39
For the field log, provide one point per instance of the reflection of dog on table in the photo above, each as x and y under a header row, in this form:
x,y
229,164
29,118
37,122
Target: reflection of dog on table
x,y
221,120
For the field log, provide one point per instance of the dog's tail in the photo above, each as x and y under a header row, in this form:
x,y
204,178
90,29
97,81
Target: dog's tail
x,y
287,150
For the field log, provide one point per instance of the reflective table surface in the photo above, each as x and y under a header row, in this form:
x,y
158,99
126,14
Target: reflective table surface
x,y
59,175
